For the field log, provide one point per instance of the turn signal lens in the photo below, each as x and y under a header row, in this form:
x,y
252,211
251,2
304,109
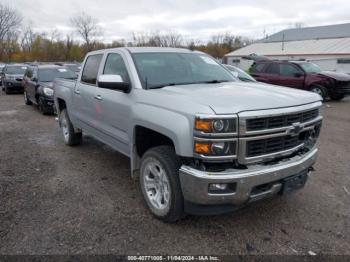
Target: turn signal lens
x,y
203,125
201,148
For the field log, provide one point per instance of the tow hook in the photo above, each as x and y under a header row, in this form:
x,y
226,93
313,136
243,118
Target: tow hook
x,y
310,170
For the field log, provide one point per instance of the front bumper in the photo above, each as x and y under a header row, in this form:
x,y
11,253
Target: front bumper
x,y
48,104
195,183
13,86
343,91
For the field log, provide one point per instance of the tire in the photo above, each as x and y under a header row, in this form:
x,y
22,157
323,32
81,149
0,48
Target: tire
x,y
26,100
70,137
337,97
41,106
7,91
163,180
321,90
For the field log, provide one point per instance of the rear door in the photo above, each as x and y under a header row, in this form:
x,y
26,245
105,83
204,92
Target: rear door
x,y
271,74
291,76
114,106
84,95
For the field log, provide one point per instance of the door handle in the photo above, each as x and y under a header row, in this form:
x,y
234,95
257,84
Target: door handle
x,y
77,92
98,97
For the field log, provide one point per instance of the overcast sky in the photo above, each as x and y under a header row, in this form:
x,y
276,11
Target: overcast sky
x,y
197,19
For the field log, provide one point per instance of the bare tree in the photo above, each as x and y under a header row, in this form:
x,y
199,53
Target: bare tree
x,y
10,20
87,27
27,38
158,38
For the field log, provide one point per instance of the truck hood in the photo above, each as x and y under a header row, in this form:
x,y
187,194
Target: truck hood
x,y
46,84
236,97
336,75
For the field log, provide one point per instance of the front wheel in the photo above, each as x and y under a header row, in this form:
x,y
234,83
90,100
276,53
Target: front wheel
x,y
160,183
41,106
322,91
70,137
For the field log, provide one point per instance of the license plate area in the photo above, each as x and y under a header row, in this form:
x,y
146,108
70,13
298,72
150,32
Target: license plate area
x,y
295,182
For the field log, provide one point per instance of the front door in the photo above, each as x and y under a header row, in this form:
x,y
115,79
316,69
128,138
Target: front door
x,y
291,76
114,106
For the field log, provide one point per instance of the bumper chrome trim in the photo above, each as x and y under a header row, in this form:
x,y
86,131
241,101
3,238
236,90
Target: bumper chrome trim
x,y
195,182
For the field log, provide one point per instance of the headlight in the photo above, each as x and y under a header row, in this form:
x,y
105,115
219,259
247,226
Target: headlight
x,y
48,91
215,148
224,125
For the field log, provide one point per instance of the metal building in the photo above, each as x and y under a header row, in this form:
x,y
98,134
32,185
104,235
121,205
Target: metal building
x,y
327,46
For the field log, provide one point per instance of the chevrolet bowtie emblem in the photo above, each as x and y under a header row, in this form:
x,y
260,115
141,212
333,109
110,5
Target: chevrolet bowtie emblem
x,y
295,129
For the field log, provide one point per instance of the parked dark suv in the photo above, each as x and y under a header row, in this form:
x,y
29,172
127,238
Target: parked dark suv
x,y
38,85
11,77
302,75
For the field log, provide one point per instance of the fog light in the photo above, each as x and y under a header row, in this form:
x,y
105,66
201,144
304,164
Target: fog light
x,y
218,187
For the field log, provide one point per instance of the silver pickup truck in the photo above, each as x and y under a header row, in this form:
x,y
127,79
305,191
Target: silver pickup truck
x,y
200,140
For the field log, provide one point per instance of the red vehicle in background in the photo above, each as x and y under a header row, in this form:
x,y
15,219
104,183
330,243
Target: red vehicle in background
x,y
302,75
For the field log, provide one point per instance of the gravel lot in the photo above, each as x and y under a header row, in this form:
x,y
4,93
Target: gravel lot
x,y
60,200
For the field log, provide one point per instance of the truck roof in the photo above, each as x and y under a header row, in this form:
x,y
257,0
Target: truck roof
x,y
147,50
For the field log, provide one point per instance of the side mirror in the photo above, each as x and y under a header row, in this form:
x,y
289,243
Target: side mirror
x,y
113,82
298,75
34,79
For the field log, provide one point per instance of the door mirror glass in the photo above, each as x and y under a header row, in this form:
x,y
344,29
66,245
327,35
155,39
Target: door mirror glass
x,y
114,82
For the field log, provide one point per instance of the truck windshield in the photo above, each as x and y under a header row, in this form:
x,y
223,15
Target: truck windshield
x,y
49,74
15,70
310,68
157,70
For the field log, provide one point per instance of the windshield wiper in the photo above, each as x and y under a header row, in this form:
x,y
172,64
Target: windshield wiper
x,y
188,83
169,84
215,81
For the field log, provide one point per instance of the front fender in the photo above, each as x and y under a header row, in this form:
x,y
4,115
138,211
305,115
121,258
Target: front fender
x,y
176,126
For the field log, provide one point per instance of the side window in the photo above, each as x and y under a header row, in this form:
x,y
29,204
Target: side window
x,y
289,70
90,70
115,66
258,68
273,69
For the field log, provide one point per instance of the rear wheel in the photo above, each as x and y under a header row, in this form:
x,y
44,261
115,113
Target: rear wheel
x,y
337,97
160,183
26,100
70,137
321,90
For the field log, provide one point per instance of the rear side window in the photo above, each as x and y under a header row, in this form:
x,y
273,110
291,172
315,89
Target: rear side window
x,y
289,70
90,71
258,68
115,66
273,69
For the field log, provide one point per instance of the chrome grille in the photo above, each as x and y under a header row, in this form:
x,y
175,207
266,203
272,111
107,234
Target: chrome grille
x,y
266,134
281,121
271,145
